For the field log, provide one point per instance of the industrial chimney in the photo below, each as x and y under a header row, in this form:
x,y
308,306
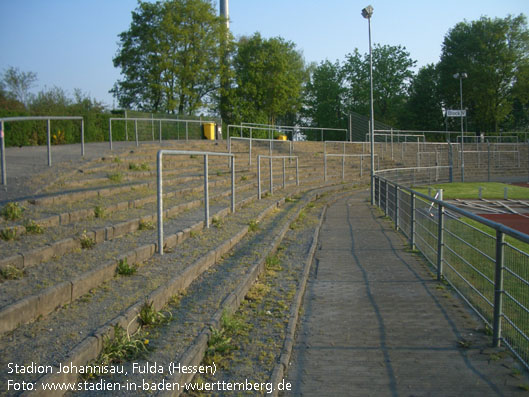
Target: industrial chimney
x,y
224,12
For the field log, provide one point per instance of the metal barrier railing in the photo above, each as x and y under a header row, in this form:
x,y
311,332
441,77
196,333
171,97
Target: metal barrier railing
x,y
48,136
250,140
343,156
271,158
486,262
206,188
151,120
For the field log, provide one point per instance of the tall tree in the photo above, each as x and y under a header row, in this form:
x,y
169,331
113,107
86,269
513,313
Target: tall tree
x,y
423,109
170,56
490,51
19,83
269,76
324,96
392,71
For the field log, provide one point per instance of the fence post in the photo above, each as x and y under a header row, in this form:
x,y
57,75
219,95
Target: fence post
x,y
233,184
386,195
160,202
488,161
284,181
271,178
450,163
412,221
379,192
136,132
397,209
82,137
259,177
110,132
48,140
440,236
160,131
206,190
498,289
297,172
3,149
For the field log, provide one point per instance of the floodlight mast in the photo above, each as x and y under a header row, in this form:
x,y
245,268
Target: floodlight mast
x,y
367,13
461,76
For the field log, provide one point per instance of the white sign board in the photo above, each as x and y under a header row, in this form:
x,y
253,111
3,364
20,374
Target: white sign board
x,y
456,113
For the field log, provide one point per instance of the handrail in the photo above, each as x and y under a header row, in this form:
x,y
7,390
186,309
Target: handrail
x,y
271,174
48,140
159,163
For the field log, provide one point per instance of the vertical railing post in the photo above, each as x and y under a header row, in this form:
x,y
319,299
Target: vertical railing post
x,y
250,151
3,150
232,184
259,177
160,202
386,192
397,208
284,166
412,221
160,131
82,137
488,161
379,191
126,128
48,140
271,177
498,289
440,236
206,191
136,132
297,172
110,132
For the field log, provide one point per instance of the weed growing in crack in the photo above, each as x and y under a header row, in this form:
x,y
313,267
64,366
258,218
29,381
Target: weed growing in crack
x,y
253,226
86,242
124,268
151,317
33,227
99,212
146,225
8,234
12,211
11,273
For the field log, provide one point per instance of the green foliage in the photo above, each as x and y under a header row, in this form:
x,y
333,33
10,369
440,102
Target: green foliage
x,y
170,56
324,96
99,212
269,75
115,177
33,227
122,347
146,225
11,273
125,269
253,226
150,317
493,53
139,167
86,242
8,234
12,211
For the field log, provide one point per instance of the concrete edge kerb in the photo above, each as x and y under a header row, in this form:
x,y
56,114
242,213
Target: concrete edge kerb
x,y
194,354
288,344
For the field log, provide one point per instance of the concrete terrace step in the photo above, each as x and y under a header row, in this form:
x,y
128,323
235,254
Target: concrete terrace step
x,y
211,239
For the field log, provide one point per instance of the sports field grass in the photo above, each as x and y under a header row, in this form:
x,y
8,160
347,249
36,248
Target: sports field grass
x,y
490,190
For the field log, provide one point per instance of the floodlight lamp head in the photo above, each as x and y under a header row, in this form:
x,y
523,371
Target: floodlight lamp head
x,y
460,75
367,12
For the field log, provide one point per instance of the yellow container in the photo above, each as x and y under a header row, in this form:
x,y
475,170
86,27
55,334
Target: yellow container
x,y
209,131
282,137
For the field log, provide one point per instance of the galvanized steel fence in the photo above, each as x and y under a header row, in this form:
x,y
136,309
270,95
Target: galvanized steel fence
x,y
486,262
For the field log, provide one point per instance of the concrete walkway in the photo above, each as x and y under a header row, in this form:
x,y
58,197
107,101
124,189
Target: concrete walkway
x,y
376,323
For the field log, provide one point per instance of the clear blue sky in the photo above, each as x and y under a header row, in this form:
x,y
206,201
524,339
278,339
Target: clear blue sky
x,y
71,43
